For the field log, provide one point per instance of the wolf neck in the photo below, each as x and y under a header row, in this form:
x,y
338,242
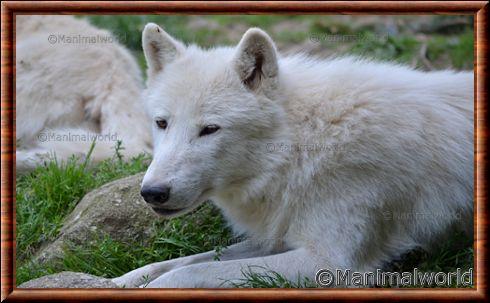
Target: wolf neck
x,y
252,208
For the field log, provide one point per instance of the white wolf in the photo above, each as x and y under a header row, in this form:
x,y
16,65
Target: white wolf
x,y
74,83
323,164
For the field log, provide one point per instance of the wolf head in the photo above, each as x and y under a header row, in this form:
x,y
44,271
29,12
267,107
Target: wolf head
x,y
214,112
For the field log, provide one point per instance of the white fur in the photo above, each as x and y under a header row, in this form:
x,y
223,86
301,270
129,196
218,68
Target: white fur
x,y
391,167
76,89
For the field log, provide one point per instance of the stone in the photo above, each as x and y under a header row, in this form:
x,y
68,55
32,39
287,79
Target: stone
x,y
115,209
68,279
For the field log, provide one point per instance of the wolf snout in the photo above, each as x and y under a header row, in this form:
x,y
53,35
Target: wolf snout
x,y
155,195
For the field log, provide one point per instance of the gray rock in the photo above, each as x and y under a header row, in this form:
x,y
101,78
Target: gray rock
x,y
115,209
68,279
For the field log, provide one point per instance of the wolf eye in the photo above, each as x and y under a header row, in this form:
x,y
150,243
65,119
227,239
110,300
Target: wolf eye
x,y
161,124
209,129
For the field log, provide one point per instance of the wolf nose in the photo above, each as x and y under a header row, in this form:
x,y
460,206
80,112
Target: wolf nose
x,y
155,195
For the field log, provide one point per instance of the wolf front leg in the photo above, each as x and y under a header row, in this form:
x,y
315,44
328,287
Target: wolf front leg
x,y
292,265
144,275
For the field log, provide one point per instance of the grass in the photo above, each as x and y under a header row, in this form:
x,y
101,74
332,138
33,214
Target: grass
x,y
262,277
47,195
455,252
105,257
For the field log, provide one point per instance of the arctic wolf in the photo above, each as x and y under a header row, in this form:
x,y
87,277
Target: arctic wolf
x,y
74,84
322,164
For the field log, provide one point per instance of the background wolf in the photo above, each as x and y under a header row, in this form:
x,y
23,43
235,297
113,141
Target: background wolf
x,y
70,91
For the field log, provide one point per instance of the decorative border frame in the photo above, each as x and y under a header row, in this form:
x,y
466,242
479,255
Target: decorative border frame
x,y
480,10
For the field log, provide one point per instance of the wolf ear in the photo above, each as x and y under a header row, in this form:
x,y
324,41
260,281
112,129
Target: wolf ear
x,y
159,48
256,60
